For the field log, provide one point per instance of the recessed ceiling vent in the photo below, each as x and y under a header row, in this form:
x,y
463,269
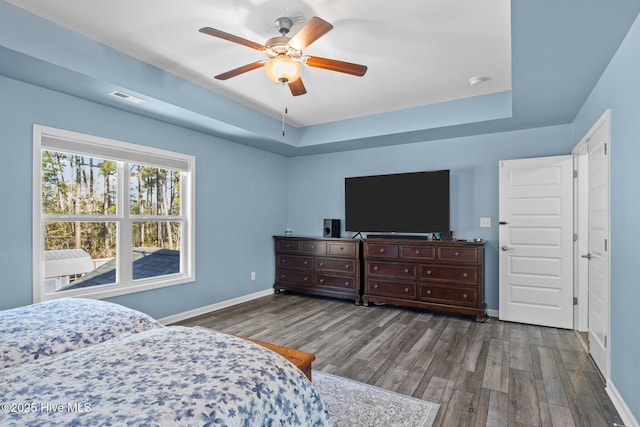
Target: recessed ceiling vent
x,y
127,97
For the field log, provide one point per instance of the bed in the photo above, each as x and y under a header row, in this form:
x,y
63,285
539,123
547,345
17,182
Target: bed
x,y
54,327
161,376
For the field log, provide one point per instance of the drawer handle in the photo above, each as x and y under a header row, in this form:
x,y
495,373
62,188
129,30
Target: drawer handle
x,y
347,283
347,266
284,260
306,262
341,248
306,279
321,264
456,253
428,291
417,251
321,280
313,246
375,268
406,290
407,270
381,250
465,296
465,275
283,276
288,245
428,272
375,286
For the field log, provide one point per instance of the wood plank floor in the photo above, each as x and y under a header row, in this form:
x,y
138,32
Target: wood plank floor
x,y
482,374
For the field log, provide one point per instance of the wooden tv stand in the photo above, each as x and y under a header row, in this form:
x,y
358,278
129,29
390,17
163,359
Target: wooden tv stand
x,y
445,276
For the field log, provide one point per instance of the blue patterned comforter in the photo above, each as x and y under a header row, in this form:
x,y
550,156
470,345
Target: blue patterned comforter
x,y
167,376
30,332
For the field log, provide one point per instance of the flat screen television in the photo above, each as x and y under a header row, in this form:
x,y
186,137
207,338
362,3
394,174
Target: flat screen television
x,y
415,202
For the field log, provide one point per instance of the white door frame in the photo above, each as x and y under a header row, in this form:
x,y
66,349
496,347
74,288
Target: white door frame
x,y
580,228
581,283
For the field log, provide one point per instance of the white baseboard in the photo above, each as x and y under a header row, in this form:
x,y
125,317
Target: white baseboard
x,y
213,307
624,411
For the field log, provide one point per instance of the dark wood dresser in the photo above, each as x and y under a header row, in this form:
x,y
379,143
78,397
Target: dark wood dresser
x,y
436,275
319,266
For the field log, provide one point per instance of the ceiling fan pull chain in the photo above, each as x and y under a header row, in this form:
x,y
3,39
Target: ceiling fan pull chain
x,y
286,110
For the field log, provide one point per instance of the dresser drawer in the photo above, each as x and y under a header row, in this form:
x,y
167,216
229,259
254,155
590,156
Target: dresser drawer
x,y
294,277
384,288
391,269
462,275
336,282
294,261
381,250
417,252
287,245
457,295
313,248
458,254
341,249
335,264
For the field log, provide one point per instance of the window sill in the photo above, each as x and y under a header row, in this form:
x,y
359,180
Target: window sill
x,y
113,290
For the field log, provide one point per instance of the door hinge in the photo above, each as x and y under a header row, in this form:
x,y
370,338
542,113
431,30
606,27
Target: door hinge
x,y
605,341
605,245
575,300
575,173
575,237
605,148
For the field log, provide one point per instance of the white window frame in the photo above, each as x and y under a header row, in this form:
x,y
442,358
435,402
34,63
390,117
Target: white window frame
x,y
47,138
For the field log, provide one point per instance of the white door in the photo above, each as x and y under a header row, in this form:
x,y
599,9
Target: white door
x,y
598,256
536,241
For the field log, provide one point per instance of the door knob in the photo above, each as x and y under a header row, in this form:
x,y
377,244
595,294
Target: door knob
x,y
505,248
587,256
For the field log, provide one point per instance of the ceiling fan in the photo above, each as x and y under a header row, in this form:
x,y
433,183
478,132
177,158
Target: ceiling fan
x,y
285,54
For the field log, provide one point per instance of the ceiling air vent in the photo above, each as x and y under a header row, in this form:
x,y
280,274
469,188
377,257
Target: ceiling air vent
x,y
126,97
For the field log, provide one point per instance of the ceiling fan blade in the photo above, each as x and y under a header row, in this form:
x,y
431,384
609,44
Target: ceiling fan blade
x,y
335,65
297,87
230,37
312,31
240,70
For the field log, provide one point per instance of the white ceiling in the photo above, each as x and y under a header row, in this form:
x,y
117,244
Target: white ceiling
x,y
419,52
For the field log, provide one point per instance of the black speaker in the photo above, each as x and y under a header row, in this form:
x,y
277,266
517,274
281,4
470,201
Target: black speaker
x,y
331,228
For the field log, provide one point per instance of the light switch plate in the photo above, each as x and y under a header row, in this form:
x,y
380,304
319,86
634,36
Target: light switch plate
x,y
485,222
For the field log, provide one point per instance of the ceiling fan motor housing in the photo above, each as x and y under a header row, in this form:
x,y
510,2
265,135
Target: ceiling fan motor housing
x,y
280,46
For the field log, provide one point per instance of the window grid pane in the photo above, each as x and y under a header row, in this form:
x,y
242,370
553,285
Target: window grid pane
x,y
156,249
79,254
154,191
78,184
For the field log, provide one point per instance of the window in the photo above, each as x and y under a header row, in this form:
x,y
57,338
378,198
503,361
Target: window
x,y
110,218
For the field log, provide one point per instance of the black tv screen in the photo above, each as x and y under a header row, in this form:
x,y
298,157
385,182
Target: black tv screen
x,y
415,202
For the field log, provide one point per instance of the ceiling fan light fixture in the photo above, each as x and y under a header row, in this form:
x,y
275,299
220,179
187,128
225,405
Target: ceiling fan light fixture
x,y
285,54
282,69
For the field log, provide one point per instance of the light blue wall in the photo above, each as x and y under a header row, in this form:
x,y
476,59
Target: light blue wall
x,y
619,90
240,198
316,183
